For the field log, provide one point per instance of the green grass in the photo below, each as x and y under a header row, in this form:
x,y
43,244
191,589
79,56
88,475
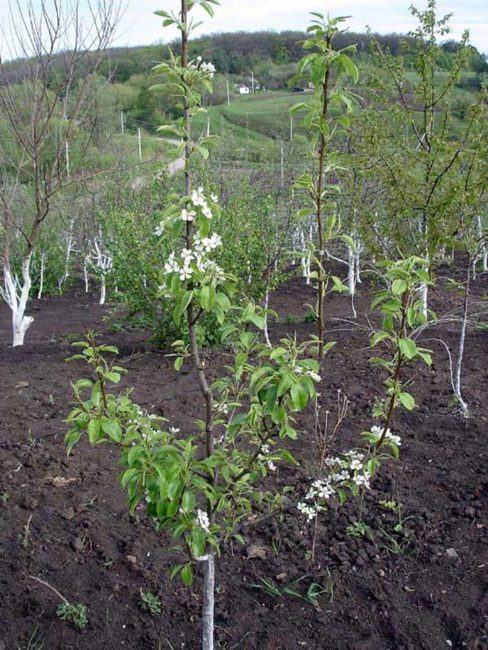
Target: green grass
x,y
252,127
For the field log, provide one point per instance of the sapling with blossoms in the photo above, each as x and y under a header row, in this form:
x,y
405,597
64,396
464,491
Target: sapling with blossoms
x,y
402,319
201,488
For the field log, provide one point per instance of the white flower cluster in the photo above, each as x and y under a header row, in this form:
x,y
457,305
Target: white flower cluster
x,y
198,199
203,520
158,231
191,260
221,407
206,67
265,451
345,472
207,244
187,215
389,436
298,370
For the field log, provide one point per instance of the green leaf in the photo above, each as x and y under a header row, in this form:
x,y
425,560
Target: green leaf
x,y
349,67
188,501
112,429
278,415
299,397
277,353
408,348
398,287
288,457
93,431
285,384
187,575
407,400
427,358
71,439
378,337
178,363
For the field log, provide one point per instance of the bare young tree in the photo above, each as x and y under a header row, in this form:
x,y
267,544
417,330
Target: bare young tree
x,y
55,48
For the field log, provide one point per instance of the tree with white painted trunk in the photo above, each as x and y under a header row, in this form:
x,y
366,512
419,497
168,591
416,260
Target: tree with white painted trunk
x,y
42,106
102,262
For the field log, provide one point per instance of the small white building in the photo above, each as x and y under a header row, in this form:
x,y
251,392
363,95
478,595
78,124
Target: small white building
x,y
242,89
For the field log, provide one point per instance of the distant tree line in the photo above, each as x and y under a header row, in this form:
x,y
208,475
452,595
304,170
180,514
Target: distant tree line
x,y
238,53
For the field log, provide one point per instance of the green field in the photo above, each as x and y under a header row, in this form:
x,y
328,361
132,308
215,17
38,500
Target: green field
x,y
253,127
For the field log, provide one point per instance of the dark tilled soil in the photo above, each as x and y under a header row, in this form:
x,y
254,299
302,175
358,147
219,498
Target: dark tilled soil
x,y
418,581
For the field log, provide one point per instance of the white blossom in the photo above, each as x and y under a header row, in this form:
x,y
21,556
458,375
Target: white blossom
x,y
309,510
203,520
171,265
197,197
185,273
188,215
206,67
333,460
314,375
209,68
362,480
206,211
396,440
389,436
158,231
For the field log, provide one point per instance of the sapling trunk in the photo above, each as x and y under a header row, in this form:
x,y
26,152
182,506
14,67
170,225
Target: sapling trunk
x,y
357,261
69,249
198,366
266,306
351,277
319,209
41,277
85,273
395,374
424,298
462,341
208,601
103,291
305,259
16,296
484,249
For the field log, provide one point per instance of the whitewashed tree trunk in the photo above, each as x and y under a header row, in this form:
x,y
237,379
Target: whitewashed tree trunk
x,y
460,355
70,247
305,260
351,277
16,296
103,262
357,261
266,306
86,278
208,602
41,278
484,248
424,297
103,290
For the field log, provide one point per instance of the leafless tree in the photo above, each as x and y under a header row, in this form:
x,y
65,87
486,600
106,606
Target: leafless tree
x,y
55,48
